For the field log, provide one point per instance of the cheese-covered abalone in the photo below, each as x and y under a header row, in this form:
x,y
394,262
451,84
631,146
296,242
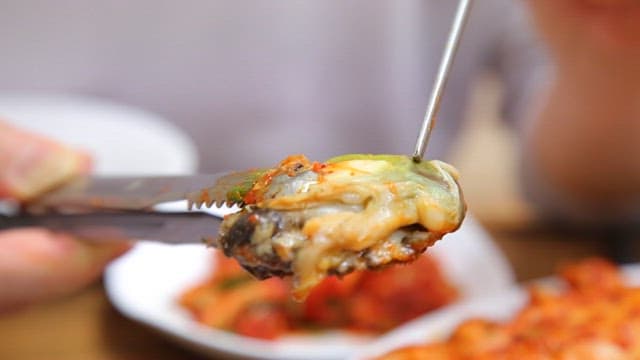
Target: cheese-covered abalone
x,y
310,220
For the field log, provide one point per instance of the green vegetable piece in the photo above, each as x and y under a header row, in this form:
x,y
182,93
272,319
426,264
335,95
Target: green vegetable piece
x,y
243,182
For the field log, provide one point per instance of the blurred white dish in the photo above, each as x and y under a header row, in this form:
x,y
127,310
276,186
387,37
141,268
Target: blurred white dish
x,y
121,139
145,284
437,326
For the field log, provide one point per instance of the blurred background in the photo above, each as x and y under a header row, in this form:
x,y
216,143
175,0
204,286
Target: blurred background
x,y
253,81
250,82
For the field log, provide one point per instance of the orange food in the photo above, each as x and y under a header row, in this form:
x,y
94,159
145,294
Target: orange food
x,y
362,301
596,317
354,212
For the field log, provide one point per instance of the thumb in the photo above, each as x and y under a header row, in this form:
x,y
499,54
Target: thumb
x,y
31,164
37,265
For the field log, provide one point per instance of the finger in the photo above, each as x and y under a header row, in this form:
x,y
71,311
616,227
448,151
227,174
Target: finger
x,y
37,265
31,164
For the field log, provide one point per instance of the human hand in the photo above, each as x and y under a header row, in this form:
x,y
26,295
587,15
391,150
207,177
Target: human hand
x,y
32,164
36,264
578,28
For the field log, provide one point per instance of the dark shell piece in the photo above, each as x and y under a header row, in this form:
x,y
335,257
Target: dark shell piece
x,y
256,237
247,237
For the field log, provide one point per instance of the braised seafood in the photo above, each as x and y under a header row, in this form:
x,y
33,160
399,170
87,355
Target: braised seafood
x,y
309,220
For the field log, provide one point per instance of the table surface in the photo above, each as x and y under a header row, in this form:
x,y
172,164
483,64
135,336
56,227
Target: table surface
x,y
85,326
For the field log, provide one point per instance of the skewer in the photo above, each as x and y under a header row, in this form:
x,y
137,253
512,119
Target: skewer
x,y
453,42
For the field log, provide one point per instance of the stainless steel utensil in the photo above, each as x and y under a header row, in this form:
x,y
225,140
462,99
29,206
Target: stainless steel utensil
x,y
133,193
149,208
453,42
173,228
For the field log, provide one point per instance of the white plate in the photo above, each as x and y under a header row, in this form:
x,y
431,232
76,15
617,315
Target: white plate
x,y
121,139
434,327
145,284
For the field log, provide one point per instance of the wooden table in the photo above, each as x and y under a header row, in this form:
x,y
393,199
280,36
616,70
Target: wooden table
x,y
81,326
85,326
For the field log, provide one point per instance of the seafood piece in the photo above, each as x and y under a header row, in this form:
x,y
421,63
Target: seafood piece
x,y
310,220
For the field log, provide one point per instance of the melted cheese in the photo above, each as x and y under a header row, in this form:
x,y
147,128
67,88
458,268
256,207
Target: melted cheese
x,y
386,193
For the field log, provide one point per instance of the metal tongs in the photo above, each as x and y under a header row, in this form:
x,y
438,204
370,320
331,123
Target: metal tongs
x,y
453,42
174,209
